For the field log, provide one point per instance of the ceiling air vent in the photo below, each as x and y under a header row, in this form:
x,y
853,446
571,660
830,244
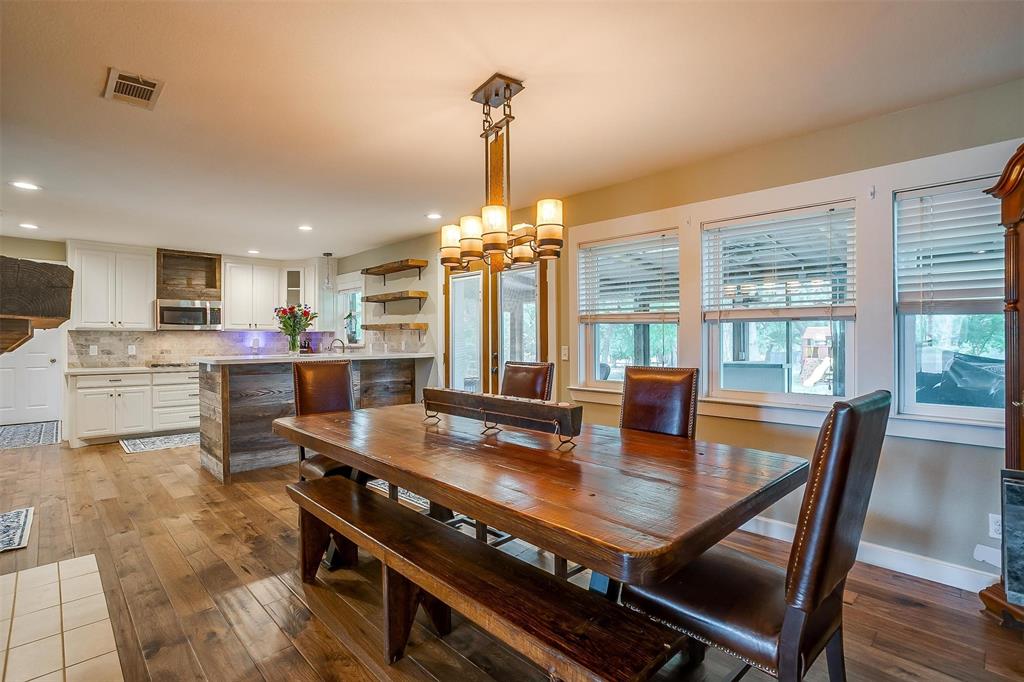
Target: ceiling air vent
x,y
132,89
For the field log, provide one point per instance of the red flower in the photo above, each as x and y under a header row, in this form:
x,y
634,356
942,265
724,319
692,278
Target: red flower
x,y
305,313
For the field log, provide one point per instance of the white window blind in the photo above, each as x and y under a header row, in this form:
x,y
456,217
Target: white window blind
x,y
630,280
949,250
792,264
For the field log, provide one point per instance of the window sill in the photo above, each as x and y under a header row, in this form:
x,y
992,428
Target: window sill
x,y
979,433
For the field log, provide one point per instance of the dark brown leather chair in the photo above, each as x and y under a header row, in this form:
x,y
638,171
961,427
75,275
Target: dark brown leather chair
x,y
322,386
774,619
528,380
661,399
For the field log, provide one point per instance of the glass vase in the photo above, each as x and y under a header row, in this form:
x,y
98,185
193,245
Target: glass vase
x,y
293,345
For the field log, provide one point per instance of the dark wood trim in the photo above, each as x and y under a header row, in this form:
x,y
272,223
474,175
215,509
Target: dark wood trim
x,y
188,275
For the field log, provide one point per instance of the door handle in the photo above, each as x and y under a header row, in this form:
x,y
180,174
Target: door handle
x,y
53,361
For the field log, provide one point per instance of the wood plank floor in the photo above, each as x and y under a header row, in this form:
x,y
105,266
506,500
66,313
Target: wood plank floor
x,y
201,582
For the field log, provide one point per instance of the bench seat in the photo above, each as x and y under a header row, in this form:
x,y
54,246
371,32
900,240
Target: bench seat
x,y
573,634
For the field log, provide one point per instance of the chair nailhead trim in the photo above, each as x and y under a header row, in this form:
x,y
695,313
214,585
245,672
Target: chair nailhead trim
x,y
812,493
702,640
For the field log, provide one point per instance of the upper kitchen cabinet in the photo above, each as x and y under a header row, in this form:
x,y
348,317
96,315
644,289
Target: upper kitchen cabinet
x,y
115,287
311,282
250,295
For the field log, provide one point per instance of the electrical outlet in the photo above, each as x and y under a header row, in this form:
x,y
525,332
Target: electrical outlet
x,y
565,352
131,350
995,526
94,350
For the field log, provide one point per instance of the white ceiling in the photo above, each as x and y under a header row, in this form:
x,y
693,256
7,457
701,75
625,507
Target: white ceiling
x,y
355,118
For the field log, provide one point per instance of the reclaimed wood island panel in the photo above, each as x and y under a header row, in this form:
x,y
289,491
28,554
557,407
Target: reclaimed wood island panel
x,y
241,396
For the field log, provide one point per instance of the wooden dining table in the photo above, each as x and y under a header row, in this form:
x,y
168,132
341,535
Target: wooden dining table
x,y
632,505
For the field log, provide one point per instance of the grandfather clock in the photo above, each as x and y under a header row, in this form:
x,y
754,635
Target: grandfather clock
x,y
1006,599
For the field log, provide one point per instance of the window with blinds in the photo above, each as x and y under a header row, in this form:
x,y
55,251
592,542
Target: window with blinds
x,y
630,280
795,265
949,250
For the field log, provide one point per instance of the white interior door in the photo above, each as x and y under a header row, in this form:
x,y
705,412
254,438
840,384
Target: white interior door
x,y
30,381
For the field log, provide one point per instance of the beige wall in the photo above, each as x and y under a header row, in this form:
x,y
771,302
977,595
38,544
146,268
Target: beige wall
x,y
37,249
404,311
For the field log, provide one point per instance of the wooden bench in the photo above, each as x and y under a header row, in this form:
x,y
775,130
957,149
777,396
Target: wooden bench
x,y
572,633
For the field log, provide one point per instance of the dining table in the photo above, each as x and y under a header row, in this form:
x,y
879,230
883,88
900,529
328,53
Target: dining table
x,y
633,506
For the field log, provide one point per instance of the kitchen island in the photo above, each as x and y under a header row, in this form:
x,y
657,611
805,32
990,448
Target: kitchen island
x,y
241,395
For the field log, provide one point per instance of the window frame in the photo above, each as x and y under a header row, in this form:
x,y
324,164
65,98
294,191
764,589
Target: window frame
x,y
345,284
586,371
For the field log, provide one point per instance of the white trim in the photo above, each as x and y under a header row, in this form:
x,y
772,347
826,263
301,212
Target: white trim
x,y
936,570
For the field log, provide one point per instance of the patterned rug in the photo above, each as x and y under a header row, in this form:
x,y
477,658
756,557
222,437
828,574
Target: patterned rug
x,y
27,435
14,528
177,440
403,494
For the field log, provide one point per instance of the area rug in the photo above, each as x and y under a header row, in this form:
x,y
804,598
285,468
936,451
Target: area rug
x,y
14,528
177,440
403,494
28,435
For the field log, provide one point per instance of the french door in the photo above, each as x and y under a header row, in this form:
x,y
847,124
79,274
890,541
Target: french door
x,y
491,318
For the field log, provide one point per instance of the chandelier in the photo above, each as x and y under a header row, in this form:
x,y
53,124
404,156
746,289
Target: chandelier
x,y
487,237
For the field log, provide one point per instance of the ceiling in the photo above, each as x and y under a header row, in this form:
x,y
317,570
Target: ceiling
x,y
355,117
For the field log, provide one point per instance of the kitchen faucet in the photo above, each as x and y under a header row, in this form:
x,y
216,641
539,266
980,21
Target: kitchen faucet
x,y
340,340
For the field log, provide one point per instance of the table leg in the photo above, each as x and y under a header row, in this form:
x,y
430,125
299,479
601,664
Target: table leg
x,y
605,586
442,514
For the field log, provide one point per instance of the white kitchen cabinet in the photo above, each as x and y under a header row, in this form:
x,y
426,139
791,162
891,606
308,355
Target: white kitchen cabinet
x,y
115,287
94,412
133,412
250,295
311,283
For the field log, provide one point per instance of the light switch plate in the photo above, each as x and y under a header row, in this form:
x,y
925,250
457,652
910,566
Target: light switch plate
x,y
131,350
94,350
565,352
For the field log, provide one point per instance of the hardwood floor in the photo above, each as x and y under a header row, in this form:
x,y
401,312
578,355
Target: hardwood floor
x,y
202,583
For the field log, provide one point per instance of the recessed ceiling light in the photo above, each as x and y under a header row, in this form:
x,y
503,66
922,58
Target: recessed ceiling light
x,y
25,184
434,216
28,226
253,251
305,228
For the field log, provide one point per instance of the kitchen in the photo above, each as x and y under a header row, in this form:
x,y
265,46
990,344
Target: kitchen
x,y
163,344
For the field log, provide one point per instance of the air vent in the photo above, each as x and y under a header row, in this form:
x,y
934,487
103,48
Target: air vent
x,y
132,89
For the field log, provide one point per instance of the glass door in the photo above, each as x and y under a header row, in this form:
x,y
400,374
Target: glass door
x,y
518,315
466,366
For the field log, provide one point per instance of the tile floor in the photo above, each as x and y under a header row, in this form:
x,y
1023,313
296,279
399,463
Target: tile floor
x,y
54,625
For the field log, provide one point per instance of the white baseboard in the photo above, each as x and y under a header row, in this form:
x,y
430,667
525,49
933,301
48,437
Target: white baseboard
x,y
936,570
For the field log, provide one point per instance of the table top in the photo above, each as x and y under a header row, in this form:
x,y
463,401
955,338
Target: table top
x,y
633,505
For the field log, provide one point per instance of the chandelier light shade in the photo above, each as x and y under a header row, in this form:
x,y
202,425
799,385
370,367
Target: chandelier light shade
x,y
487,237
549,227
495,219
471,243
451,248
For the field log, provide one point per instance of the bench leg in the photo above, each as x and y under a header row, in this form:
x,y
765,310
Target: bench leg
x,y
439,612
440,513
314,536
401,597
481,531
342,553
561,568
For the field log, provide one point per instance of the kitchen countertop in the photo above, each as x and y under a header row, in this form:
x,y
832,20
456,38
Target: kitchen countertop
x,y
85,371
264,359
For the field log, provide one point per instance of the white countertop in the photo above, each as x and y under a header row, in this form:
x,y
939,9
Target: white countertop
x,y
264,359
85,371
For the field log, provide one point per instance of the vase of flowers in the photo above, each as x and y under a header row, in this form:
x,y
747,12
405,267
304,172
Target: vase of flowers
x,y
292,320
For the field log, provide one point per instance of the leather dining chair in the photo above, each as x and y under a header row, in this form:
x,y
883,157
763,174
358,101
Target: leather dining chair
x,y
322,386
780,620
528,380
660,399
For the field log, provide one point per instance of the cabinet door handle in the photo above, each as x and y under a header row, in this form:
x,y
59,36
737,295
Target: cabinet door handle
x,y
113,380
195,416
193,395
111,395
195,377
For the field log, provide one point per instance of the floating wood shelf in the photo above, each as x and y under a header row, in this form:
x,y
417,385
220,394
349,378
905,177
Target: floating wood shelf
x,y
397,327
391,268
407,295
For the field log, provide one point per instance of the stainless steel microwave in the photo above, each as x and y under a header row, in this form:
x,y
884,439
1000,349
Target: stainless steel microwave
x,y
189,315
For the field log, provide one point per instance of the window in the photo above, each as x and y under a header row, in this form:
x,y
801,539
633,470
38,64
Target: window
x,y
467,323
518,289
629,304
350,308
779,300
949,285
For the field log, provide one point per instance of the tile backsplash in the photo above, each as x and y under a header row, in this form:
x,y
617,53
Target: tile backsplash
x,y
174,346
